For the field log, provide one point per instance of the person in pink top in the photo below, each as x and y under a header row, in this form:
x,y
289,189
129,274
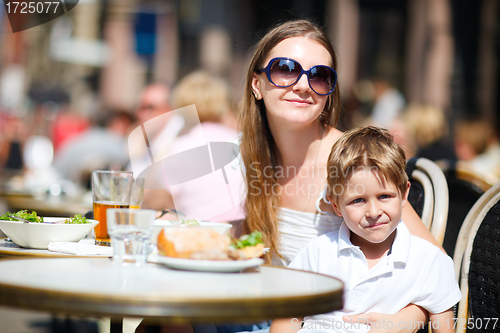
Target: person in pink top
x,y
210,96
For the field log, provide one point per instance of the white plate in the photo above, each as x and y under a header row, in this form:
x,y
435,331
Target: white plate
x,y
206,265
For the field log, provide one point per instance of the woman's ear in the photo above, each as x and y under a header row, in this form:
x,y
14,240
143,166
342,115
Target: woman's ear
x,y
256,87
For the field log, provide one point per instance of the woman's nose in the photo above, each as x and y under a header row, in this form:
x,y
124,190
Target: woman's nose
x,y
302,84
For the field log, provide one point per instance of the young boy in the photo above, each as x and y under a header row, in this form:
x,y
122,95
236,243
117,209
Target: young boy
x,y
383,267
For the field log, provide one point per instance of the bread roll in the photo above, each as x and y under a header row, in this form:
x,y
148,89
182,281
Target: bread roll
x,y
193,243
248,252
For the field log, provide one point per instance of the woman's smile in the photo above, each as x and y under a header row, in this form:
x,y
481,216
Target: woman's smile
x,y
298,102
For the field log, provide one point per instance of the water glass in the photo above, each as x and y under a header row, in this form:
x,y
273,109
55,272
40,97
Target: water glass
x,y
110,189
130,231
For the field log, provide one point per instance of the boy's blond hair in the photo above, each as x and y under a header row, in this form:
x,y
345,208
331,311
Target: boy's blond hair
x,y
370,148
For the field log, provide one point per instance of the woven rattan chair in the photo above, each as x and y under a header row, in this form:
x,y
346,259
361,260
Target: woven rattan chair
x,y
429,195
465,188
477,264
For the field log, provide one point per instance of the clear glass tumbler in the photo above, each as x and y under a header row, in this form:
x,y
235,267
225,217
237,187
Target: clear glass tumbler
x,y
130,231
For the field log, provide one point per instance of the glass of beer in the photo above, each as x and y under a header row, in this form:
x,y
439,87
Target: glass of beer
x,y
110,189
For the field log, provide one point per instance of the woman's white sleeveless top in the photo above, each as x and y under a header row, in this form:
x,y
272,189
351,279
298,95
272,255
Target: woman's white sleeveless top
x,y
296,229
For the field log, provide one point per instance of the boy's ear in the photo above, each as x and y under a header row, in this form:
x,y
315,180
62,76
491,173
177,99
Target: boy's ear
x,y
336,208
407,192
328,197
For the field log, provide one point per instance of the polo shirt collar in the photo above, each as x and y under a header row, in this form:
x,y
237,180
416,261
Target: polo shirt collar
x,y
344,240
400,247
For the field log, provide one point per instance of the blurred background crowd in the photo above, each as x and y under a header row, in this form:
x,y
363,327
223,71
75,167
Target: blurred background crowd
x,y
73,89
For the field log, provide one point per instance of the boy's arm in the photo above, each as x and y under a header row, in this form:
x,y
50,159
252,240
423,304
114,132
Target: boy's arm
x,y
408,320
443,322
286,325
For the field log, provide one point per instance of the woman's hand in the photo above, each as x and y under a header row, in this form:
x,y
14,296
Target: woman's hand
x,y
410,319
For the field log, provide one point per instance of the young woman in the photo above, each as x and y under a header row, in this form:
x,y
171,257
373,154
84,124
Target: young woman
x,y
289,112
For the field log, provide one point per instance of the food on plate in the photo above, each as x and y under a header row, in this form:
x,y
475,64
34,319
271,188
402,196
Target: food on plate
x,y
193,243
190,222
77,219
33,217
247,246
208,244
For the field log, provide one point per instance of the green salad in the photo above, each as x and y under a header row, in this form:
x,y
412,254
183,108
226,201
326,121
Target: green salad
x,y
190,222
33,217
248,240
77,219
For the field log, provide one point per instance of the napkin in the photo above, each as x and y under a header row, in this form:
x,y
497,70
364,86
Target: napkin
x,y
80,248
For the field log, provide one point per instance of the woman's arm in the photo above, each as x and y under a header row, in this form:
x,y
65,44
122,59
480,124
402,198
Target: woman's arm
x,y
157,199
409,320
416,226
285,325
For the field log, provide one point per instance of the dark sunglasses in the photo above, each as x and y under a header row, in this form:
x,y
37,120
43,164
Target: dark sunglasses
x,y
149,107
285,72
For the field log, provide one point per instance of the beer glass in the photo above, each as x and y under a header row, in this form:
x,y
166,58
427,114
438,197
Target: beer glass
x,y
110,189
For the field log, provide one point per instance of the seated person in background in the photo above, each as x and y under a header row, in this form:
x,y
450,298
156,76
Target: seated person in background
x,y
102,146
388,104
428,126
477,148
155,123
383,266
211,97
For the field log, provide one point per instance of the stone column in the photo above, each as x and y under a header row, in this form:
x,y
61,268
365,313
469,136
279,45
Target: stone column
x,y
343,19
429,53
124,76
167,48
487,60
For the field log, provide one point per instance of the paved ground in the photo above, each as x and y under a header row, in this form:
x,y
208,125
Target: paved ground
x,y
17,321
21,321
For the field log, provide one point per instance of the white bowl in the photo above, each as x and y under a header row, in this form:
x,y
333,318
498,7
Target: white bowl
x,y
38,235
220,227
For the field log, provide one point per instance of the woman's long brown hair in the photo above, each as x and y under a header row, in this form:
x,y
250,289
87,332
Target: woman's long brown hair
x,y
257,144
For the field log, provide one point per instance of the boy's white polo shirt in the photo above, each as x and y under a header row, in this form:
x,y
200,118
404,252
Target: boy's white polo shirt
x,y
414,271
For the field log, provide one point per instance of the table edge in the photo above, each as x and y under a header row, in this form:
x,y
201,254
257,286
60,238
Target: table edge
x,y
158,310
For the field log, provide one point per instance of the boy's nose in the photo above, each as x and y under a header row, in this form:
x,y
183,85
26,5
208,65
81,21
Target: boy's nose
x,y
373,210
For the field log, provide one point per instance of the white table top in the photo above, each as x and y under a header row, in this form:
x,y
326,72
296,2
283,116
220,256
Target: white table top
x,y
96,287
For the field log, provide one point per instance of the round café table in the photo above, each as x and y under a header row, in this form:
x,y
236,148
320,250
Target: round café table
x,y
98,288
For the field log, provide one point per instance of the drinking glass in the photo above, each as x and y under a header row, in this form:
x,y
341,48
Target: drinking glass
x,y
137,193
110,189
130,231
